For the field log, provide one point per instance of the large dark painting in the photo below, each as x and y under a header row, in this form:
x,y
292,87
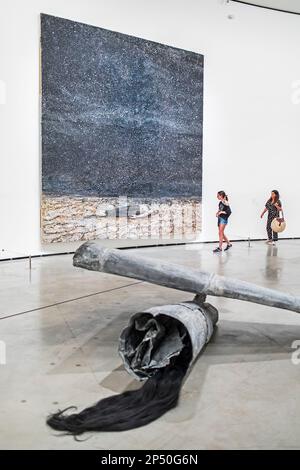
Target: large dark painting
x,y
121,117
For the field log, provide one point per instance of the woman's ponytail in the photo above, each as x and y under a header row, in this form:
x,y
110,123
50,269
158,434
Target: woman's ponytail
x,y
223,194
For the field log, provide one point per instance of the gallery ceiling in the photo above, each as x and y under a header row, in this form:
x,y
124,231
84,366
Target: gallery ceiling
x,y
292,6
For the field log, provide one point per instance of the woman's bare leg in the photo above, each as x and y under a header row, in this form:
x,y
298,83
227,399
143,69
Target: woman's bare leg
x,y
225,238
221,235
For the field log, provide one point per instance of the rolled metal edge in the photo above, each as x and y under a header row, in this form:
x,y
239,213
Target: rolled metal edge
x,y
199,321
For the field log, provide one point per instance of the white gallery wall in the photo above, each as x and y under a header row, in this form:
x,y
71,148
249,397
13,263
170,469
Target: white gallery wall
x,y
251,103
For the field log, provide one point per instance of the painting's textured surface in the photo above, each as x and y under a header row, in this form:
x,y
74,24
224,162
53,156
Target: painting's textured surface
x,y
121,116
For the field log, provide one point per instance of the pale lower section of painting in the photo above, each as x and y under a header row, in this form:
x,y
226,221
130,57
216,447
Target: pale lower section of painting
x,y
70,218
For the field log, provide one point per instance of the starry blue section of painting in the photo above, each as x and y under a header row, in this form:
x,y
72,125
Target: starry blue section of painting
x,y
120,115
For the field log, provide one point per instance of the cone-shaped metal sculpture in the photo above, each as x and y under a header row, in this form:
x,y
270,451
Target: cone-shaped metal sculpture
x,y
92,256
159,344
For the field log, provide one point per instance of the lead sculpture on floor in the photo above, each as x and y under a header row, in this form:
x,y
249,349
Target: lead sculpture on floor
x,y
160,344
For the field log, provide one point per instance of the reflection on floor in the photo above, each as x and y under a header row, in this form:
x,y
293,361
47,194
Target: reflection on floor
x,y
60,326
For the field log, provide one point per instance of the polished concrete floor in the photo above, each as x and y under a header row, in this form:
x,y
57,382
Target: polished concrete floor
x,y
60,326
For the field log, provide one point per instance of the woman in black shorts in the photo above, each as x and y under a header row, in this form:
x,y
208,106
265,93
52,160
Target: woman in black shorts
x,y
223,214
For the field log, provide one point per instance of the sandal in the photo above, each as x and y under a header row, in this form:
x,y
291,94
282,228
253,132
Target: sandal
x,y
228,246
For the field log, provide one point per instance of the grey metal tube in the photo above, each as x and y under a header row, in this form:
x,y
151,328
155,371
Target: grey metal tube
x,y
92,256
